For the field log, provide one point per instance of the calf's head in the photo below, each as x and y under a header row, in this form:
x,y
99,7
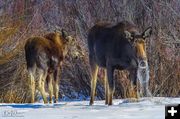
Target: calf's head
x,y
68,41
70,44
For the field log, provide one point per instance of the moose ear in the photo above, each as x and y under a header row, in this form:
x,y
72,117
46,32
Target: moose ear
x,y
128,35
147,32
56,31
64,33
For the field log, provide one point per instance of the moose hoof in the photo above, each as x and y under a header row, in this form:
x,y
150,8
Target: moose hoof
x,y
91,103
110,103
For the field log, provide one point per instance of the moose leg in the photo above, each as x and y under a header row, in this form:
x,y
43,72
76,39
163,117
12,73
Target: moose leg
x,y
111,83
56,85
106,86
56,91
42,77
32,86
50,87
133,79
94,71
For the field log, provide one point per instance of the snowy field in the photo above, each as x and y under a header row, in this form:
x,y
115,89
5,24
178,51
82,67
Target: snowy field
x,y
146,108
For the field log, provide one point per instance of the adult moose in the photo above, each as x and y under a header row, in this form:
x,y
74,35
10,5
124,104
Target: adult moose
x,y
44,56
116,47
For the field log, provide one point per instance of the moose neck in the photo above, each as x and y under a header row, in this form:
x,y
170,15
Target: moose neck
x,y
61,44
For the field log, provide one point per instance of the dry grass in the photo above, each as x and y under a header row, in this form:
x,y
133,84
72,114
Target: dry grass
x,y
162,48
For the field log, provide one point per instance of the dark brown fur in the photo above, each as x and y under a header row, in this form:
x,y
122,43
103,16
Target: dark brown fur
x,y
114,47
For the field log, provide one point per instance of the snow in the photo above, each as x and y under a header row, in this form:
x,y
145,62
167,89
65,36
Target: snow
x,y
145,108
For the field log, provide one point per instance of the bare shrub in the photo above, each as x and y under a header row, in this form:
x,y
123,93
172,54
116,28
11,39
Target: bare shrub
x,y
20,20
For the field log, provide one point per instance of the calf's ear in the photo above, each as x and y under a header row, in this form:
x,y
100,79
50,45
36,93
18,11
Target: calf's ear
x,y
147,32
64,33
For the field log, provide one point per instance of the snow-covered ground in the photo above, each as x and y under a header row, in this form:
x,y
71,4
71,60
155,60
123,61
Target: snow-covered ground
x,y
146,108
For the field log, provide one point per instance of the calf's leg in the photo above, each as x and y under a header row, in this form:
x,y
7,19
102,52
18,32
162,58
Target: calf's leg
x,y
56,85
50,86
41,81
32,86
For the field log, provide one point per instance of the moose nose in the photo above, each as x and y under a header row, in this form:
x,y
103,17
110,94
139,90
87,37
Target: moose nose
x,y
142,64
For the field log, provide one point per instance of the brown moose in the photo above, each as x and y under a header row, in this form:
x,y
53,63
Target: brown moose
x,y
44,56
